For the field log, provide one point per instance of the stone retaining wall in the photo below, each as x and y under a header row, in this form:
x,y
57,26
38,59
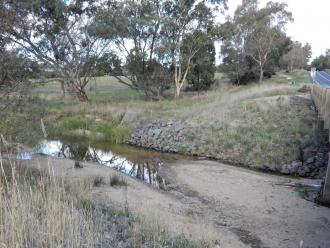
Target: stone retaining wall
x,y
173,136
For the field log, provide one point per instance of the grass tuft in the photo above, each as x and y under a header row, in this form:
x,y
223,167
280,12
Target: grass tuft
x,y
98,181
116,180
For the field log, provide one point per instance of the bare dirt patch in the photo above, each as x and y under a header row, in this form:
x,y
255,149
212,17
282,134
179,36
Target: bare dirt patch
x,y
225,205
254,206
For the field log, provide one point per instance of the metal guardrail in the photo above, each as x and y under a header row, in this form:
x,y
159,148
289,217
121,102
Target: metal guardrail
x,y
321,98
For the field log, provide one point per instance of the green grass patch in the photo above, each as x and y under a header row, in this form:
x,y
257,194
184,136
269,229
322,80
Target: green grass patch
x,y
295,77
113,211
23,126
76,123
79,125
86,205
300,77
117,95
302,192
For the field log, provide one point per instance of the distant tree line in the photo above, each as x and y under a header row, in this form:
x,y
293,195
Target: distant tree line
x,y
322,62
149,45
255,45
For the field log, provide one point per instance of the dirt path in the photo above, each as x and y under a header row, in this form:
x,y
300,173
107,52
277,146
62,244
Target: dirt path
x,y
252,205
228,206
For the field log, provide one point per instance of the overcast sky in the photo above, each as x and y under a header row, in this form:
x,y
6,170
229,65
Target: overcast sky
x,y
311,21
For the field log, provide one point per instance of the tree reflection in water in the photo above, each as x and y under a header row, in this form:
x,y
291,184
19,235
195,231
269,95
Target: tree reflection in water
x,y
145,169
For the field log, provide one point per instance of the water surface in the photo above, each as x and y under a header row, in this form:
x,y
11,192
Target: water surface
x,y
141,164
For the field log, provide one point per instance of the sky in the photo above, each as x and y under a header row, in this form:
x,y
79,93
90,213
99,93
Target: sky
x,y
311,22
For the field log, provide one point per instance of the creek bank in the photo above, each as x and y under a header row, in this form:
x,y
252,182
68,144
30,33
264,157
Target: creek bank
x,y
176,136
179,137
313,163
216,203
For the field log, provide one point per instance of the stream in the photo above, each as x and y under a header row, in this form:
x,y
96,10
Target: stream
x,y
138,163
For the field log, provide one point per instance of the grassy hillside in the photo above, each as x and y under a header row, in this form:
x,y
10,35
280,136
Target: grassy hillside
x,y
255,125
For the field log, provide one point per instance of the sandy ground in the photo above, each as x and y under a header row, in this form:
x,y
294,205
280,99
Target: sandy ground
x,y
228,206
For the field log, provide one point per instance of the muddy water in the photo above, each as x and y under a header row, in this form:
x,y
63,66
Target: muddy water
x,y
141,164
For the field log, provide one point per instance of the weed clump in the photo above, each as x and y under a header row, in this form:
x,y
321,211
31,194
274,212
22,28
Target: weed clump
x,y
116,180
98,181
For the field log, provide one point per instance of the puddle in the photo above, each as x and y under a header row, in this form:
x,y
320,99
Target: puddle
x,y
141,164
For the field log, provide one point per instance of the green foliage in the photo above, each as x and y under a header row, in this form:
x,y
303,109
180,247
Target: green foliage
x,y
202,72
23,126
299,77
115,95
119,133
113,211
68,127
302,192
322,62
15,71
76,123
106,64
254,41
88,206
61,41
297,57
166,37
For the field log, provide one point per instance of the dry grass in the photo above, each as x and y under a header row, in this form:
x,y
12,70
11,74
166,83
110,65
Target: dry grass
x,y
263,132
254,125
38,209
210,104
238,124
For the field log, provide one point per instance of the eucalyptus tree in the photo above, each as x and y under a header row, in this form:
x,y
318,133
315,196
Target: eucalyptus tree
x,y
15,70
156,40
202,69
187,18
260,29
298,56
55,32
234,62
134,29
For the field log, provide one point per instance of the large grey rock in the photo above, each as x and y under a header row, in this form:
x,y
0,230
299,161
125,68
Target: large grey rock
x,y
157,132
284,169
309,161
304,171
309,152
295,165
292,168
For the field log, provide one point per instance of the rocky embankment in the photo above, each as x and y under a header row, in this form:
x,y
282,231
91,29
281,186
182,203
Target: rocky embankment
x,y
313,163
165,136
179,137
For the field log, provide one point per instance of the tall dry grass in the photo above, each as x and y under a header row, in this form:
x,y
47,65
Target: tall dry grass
x,y
38,210
41,210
